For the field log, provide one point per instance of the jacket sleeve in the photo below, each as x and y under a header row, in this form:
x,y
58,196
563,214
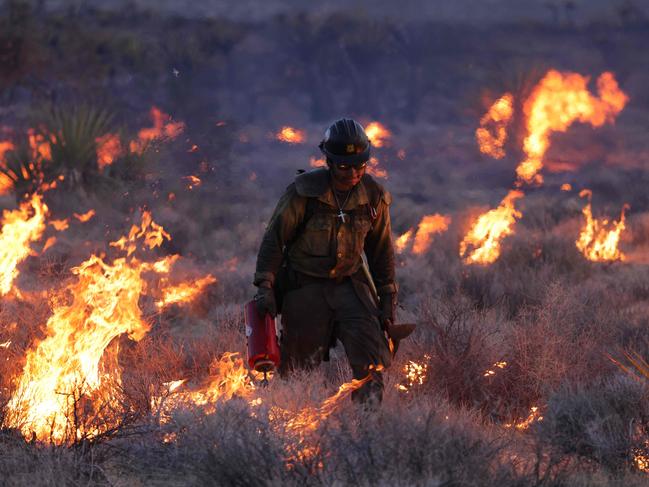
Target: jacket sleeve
x,y
280,230
380,251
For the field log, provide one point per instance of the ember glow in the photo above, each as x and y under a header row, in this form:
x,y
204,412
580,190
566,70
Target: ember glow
x,y
559,100
533,417
492,133
109,148
481,245
492,371
20,228
192,181
163,128
599,238
378,134
291,135
415,375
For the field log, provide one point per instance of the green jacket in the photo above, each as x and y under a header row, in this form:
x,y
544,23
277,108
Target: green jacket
x,y
326,247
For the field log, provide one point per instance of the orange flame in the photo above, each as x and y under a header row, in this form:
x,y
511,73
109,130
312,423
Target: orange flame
x,y
19,228
559,100
374,169
428,226
104,303
317,162
59,225
533,417
378,134
402,242
492,133
84,217
599,239
183,292
482,242
566,187
163,128
192,181
291,135
491,372
415,375
6,184
109,148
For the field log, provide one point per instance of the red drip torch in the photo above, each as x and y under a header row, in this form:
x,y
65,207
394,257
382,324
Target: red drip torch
x,y
263,349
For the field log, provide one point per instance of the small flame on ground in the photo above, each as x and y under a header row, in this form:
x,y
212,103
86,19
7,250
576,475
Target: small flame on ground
x,y
416,374
6,184
491,372
482,242
192,181
641,458
59,225
599,239
378,134
109,148
291,135
533,417
84,217
492,133
566,187
6,344
163,128
559,100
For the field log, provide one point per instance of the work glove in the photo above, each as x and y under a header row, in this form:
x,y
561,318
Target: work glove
x,y
265,299
388,304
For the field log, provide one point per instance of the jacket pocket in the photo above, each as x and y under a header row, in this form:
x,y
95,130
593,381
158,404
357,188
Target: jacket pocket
x,y
317,236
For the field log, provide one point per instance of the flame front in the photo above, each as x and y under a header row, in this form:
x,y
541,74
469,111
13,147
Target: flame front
x,y
291,135
19,228
481,245
559,100
492,133
599,239
100,304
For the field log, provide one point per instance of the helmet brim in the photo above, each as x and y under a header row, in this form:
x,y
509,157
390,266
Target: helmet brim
x,y
358,158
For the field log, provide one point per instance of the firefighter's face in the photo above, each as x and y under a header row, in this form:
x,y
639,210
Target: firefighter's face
x,y
346,176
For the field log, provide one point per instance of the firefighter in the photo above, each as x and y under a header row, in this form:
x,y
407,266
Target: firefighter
x,y
310,263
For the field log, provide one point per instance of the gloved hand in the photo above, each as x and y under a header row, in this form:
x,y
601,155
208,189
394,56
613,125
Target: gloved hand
x,y
388,309
265,299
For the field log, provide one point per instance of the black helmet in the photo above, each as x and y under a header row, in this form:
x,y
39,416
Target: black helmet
x,y
346,141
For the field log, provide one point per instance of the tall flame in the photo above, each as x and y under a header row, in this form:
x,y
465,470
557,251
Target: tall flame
x,y
19,228
492,133
599,239
559,100
481,245
103,304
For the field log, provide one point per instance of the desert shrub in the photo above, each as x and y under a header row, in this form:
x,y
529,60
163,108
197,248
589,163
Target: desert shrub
x,y
606,422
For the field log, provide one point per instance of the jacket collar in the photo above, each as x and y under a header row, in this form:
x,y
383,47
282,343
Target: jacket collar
x,y
317,184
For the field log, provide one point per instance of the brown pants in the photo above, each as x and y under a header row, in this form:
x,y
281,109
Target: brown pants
x,y
321,311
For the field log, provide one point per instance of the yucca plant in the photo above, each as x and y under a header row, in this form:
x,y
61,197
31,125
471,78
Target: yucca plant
x,y
21,170
74,132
